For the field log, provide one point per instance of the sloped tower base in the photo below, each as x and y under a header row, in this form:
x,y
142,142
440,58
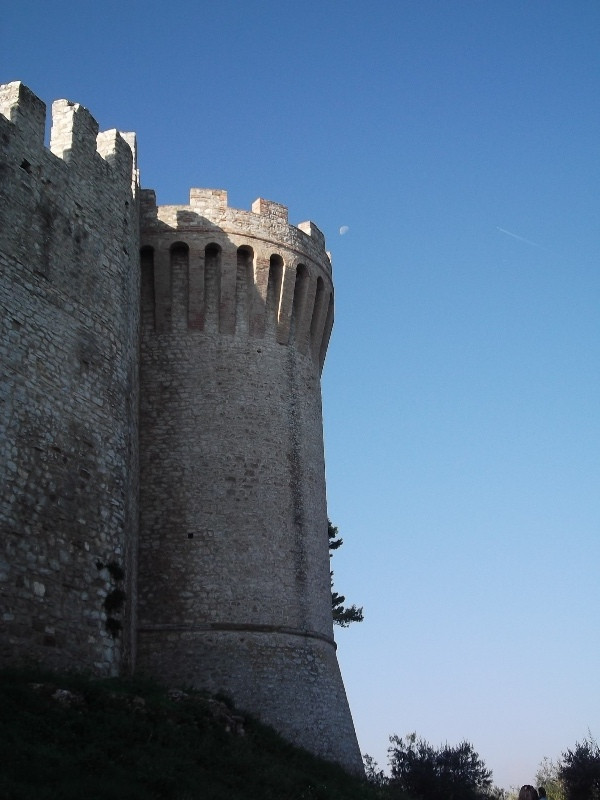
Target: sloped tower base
x,y
288,681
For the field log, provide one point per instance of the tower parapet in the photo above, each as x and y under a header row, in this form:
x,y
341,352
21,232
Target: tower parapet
x,y
266,272
266,219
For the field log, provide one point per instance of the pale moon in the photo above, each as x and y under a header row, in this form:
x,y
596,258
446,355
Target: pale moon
x,y
344,229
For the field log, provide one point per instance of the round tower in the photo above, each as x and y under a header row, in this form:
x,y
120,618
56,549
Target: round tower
x,y
237,309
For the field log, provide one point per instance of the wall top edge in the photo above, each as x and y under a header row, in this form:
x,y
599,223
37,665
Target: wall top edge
x,y
75,134
265,218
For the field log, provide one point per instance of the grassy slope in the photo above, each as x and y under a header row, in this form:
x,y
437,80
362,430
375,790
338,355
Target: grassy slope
x,y
117,739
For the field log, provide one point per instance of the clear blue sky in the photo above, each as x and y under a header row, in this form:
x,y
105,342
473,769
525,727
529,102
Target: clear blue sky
x,y
458,142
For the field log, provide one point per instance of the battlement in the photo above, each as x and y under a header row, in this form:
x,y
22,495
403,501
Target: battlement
x,y
25,110
210,267
74,137
265,220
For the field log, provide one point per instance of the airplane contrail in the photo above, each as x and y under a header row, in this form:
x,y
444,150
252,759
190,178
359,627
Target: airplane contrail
x,y
520,238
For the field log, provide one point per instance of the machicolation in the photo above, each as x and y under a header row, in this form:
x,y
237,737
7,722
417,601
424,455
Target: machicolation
x,y
162,492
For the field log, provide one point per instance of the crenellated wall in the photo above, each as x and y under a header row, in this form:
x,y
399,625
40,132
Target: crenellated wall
x,y
69,322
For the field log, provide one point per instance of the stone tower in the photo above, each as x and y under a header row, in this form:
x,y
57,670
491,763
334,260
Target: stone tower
x,y
162,483
237,309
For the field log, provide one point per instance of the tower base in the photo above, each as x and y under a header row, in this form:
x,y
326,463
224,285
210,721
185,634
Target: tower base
x,y
288,680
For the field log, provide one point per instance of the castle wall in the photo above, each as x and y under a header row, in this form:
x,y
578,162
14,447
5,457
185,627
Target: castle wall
x,y
237,309
69,320
175,389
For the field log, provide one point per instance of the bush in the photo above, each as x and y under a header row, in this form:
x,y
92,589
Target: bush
x,y
580,771
429,774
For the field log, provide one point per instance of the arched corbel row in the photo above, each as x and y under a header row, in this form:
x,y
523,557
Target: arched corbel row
x,y
236,290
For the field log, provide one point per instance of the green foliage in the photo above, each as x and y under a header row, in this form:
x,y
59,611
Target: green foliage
x,y
69,737
547,776
429,774
501,794
342,616
378,779
579,771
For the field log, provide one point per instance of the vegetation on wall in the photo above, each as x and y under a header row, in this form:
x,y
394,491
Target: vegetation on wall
x,y
115,599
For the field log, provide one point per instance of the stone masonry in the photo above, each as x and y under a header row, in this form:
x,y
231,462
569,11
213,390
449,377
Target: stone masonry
x,y
162,481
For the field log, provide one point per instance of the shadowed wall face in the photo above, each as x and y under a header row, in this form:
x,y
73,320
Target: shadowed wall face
x,y
69,285
234,559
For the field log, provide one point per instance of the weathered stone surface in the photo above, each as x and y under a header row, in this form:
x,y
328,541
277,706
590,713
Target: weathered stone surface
x,y
69,327
162,400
